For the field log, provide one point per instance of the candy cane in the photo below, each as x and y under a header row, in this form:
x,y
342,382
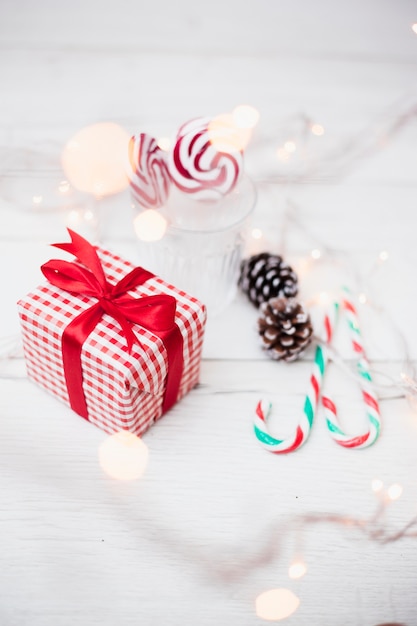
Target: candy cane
x,y
303,429
370,400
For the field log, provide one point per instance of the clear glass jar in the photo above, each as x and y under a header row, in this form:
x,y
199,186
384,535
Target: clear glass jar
x,y
203,244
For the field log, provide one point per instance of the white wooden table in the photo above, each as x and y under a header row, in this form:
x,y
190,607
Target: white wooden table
x,y
216,520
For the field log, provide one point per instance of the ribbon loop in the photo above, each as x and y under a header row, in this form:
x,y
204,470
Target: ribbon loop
x,y
86,254
73,278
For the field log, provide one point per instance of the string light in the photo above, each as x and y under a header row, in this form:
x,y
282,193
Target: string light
x,y
88,215
64,187
290,146
394,491
409,382
226,136
283,154
297,570
334,162
83,220
323,298
150,225
276,604
245,116
317,129
377,485
257,233
123,456
95,159
410,386
164,143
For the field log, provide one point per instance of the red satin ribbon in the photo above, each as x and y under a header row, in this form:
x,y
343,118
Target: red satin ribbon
x,y
155,313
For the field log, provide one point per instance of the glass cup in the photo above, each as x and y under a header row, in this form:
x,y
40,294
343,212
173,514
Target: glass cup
x,y
203,245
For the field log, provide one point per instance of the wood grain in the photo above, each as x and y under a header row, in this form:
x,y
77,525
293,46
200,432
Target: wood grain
x,y
216,519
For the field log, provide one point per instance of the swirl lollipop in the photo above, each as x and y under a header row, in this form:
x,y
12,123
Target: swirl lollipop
x,y
206,160
148,174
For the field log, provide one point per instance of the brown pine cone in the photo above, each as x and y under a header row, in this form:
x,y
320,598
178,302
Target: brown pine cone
x,y
264,276
285,328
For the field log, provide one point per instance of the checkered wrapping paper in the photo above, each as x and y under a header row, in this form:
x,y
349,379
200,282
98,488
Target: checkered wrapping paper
x,y
122,390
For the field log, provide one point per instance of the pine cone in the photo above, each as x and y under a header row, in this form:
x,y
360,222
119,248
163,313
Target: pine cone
x,y
264,276
285,328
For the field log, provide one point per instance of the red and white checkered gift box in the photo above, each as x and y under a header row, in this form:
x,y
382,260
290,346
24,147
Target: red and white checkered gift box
x,y
122,390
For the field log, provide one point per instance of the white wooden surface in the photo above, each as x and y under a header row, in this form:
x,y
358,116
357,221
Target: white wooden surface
x,y
213,522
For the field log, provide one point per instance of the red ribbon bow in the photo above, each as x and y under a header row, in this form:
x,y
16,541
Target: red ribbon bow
x,y
155,313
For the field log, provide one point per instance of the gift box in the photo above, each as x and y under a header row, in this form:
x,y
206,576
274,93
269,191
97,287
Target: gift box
x,y
113,341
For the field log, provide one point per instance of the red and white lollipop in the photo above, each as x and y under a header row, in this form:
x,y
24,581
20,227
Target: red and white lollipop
x,y
148,173
205,161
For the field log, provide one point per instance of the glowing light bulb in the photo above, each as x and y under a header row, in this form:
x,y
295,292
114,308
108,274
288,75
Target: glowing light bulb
x,y
225,136
123,456
257,233
414,28
383,255
324,298
394,491
64,187
410,382
245,116
282,154
88,215
276,604
290,146
317,129
377,485
95,159
164,143
316,254
150,225
73,218
297,569
37,199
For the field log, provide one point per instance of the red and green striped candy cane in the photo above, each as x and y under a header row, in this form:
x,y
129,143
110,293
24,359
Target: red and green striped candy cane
x,y
367,438
263,409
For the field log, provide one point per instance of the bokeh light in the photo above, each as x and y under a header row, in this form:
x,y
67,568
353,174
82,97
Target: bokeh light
x,y
164,143
123,456
257,233
317,129
245,116
95,159
283,154
297,570
324,298
225,136
290,146
150,225
394,491
64,187
276,604
377,485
